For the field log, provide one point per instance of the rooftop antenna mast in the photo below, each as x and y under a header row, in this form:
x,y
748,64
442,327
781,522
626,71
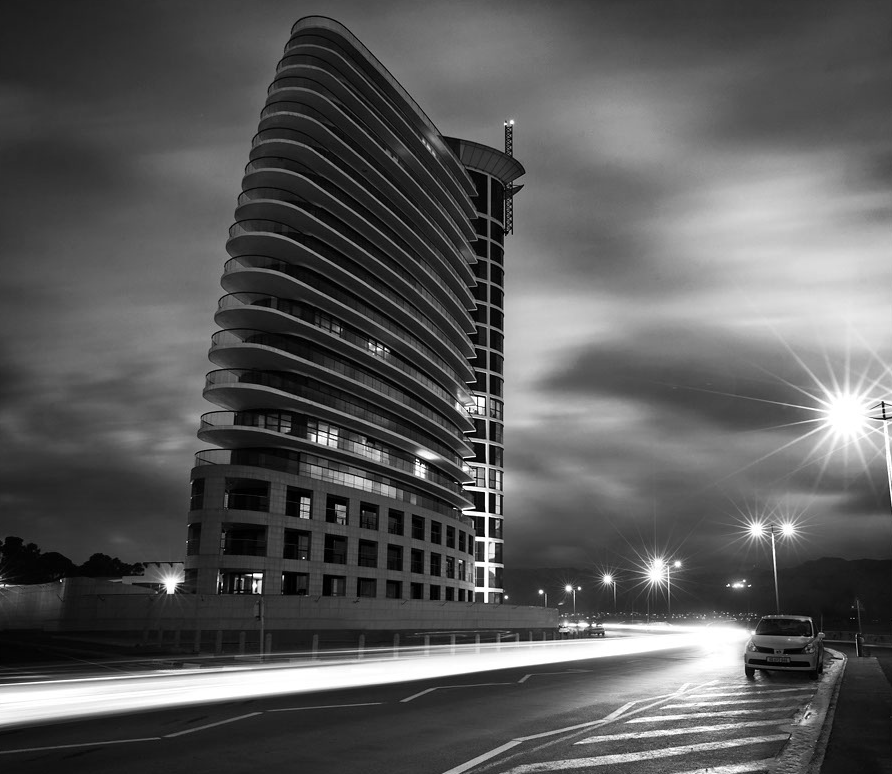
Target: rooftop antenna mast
x,y
509,188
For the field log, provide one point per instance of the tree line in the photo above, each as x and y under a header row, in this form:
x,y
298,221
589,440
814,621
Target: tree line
x,y
23,563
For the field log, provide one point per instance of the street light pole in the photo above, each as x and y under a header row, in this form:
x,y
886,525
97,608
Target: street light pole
x,y
568,588
669,585
774,565
541,592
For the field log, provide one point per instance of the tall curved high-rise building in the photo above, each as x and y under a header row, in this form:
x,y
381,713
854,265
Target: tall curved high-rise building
x,y
358,365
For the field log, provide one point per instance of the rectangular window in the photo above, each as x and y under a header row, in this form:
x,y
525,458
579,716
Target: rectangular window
x,y
246,494
368,516
496,432
240,582
421,468
461,595
462,565
416,590
295,584
495,528
435,592
479,405
335,549
297,544
450,594
395,522
450,567
480,579
497,342
196,500
336,509
480,551
366,587
495,479
435,564
450,537
496,503
479,499
394,557
393,590
323,433
417,560
497,275
298,503
243,540
461,541
368,553
436,532
479,474
193,539
334,586
496,456
418,527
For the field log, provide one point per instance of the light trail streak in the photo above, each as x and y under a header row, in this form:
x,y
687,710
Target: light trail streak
x,y
69,699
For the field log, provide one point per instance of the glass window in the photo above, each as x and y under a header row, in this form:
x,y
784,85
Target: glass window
x,y
495,479
479,336
479,291
479,475
480,576
450,567
394,557
479,269
497,253
418,527
416,590
246,494
479,198
295,583
435,563
496,297
481,226
479,432
243,540
393,589
495,504
366,587
323,433
298,503
395,522
479,405
240,582
497,198
450,594
450,537
480,248
480,524
496,318
436,532
296,545
479,314
336,509
496,431
497,341
196,501
480,551
193,539
368,553
497,275
496,408
479,500
496,363
417,560
368,516
334,586
496,456
495,528
461,541
435,592
335,549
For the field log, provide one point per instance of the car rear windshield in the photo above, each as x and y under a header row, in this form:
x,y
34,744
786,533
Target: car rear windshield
x,y
784,627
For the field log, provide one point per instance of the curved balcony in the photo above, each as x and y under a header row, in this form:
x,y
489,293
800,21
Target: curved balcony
x,y
308,394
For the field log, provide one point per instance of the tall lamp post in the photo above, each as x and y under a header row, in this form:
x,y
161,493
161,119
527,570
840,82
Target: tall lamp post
x,y
785,530
608,580
885,416
676,564
568,588
541,592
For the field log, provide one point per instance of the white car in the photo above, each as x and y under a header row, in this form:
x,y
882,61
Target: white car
x,y
789,643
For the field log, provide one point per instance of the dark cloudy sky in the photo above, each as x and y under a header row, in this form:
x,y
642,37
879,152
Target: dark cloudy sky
x,y
701,252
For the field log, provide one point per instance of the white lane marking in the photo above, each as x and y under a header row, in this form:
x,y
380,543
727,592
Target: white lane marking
x,y
211,725
718,714
690,704
566,672
666,752
681,731
734,768
80,744
591,724
325,706
484,757
443,687
766,692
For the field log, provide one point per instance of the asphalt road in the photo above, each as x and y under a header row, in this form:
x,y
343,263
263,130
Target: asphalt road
x,y
674,711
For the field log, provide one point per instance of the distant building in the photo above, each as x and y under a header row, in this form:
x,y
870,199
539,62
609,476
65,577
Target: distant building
x,y
359,361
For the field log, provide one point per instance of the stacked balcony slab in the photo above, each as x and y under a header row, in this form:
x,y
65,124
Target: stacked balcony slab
x,y
492,173
343,361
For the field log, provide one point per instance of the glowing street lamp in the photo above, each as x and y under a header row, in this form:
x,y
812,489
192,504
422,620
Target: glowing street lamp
x,y
541,592
569,588
608,580
758,530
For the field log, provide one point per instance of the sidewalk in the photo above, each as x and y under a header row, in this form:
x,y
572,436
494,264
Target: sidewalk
x,y
860,739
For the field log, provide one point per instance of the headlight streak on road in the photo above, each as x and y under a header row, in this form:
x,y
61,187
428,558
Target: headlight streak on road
x,y
63,700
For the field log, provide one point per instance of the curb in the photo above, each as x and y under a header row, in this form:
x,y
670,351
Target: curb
x,y
804,751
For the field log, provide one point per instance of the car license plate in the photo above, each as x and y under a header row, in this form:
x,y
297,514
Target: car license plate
x,y
778,660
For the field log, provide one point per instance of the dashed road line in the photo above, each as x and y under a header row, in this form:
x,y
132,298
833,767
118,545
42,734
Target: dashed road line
x,y
443,687
211,725
325,706
690,704
80,744
566,672
665,752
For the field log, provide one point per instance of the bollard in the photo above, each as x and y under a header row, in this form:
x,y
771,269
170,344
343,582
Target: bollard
x,y
859,644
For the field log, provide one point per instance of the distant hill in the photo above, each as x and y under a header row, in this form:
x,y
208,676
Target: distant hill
x,y
824,587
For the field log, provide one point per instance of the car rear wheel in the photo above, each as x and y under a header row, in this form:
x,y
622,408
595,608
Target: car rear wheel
x,y
749,671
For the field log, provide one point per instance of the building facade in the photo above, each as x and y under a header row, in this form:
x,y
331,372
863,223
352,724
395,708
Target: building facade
x,y
358,368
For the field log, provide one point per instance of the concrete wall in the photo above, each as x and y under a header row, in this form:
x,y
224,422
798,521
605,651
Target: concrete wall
x,y
103,608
